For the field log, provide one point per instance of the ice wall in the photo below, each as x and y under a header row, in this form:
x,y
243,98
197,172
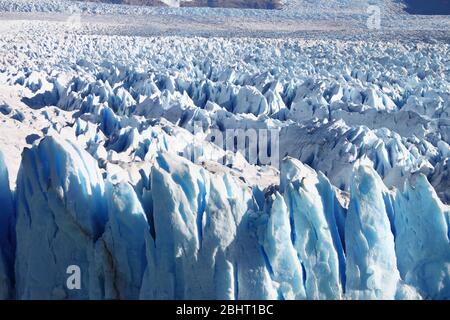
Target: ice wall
x,y
184,232
61,213
311,203
371,262
7,236
422,239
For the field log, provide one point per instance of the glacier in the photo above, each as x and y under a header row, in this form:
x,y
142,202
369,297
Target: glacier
x,y
7,237
302,242
371,260
213,158
425,266
61,213
315,215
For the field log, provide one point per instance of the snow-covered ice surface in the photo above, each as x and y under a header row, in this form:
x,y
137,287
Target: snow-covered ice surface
x,y
107,160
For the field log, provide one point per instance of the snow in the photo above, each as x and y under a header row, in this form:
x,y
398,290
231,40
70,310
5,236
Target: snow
x,y
115,154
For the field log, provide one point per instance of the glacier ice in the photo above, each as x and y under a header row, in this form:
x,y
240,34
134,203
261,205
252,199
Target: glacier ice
x,y
123,172
313,211
120,253
7,235
422,239
149,240
371,267
60,214
202,220
284,266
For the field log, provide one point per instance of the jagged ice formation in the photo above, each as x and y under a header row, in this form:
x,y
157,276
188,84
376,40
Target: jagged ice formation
x,y
115,159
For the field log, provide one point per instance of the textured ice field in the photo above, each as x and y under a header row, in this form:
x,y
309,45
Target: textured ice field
x,y
107,160
298,18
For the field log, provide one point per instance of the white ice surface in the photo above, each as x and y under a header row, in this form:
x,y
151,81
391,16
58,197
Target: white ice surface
x,y
107,170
